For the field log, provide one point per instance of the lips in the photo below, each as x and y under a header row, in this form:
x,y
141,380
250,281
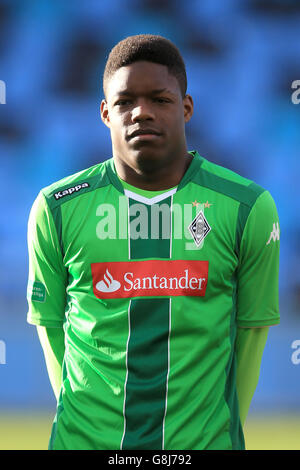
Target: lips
x,y
146,131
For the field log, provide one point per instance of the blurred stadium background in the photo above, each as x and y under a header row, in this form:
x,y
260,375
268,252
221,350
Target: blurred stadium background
x,y
241,58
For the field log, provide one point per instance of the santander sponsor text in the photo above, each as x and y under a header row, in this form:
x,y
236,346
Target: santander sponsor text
x,y
149,278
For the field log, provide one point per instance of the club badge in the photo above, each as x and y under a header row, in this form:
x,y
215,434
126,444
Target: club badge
x,y
199,228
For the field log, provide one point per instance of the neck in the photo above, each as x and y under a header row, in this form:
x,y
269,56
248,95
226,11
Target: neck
x,y
162,178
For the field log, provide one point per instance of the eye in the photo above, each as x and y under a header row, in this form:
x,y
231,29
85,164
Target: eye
x,y
161,100
122,102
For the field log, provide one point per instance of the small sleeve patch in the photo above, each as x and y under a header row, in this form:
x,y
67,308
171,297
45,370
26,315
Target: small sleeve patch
x,y
36,291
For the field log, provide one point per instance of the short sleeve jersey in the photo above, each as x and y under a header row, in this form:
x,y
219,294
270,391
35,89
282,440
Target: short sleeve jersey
x,y
150,292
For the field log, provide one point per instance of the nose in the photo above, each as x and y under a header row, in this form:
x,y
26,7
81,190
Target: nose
x,y
142,112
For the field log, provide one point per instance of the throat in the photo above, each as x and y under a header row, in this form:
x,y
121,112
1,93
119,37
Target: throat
x,y
151,177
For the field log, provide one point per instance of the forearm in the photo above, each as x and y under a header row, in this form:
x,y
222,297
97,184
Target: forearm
x,y
53,344
250,344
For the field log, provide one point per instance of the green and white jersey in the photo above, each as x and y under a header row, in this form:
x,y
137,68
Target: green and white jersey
x,y
150,291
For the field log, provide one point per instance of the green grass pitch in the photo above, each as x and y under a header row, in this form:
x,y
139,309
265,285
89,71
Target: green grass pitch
x,y
30,431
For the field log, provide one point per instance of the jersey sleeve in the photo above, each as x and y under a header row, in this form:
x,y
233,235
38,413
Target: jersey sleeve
x,y
46,291
250,345
258,271
53,345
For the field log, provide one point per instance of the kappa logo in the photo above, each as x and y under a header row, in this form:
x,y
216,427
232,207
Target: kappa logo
x,y
199,228
275,234
70,190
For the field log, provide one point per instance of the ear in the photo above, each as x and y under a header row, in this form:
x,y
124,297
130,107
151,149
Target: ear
x,y
188,106
104,113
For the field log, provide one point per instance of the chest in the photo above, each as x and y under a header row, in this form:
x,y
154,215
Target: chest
x,y
194,227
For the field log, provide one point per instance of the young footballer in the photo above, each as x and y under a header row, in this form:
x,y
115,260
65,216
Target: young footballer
x,y
153,276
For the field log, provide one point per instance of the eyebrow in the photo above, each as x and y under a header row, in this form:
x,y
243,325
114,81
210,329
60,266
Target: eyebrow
x,y
152,92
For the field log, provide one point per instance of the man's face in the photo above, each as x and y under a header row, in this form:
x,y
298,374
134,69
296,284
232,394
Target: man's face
x,y
146,115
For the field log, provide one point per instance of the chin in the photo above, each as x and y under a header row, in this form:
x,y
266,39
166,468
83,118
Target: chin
x,y
148,162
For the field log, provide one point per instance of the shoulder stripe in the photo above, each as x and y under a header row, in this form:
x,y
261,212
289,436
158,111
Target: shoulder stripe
x,y
243,214
246,194
58,196
56,216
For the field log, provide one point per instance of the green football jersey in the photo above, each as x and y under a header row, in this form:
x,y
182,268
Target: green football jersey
x,y
150,292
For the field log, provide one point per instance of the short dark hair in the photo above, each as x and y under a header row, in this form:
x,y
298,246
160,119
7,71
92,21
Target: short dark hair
x,y
148,47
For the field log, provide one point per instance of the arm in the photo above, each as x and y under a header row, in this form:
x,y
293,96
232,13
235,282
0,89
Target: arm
x,y
250,344
257,293
53,344
47,281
